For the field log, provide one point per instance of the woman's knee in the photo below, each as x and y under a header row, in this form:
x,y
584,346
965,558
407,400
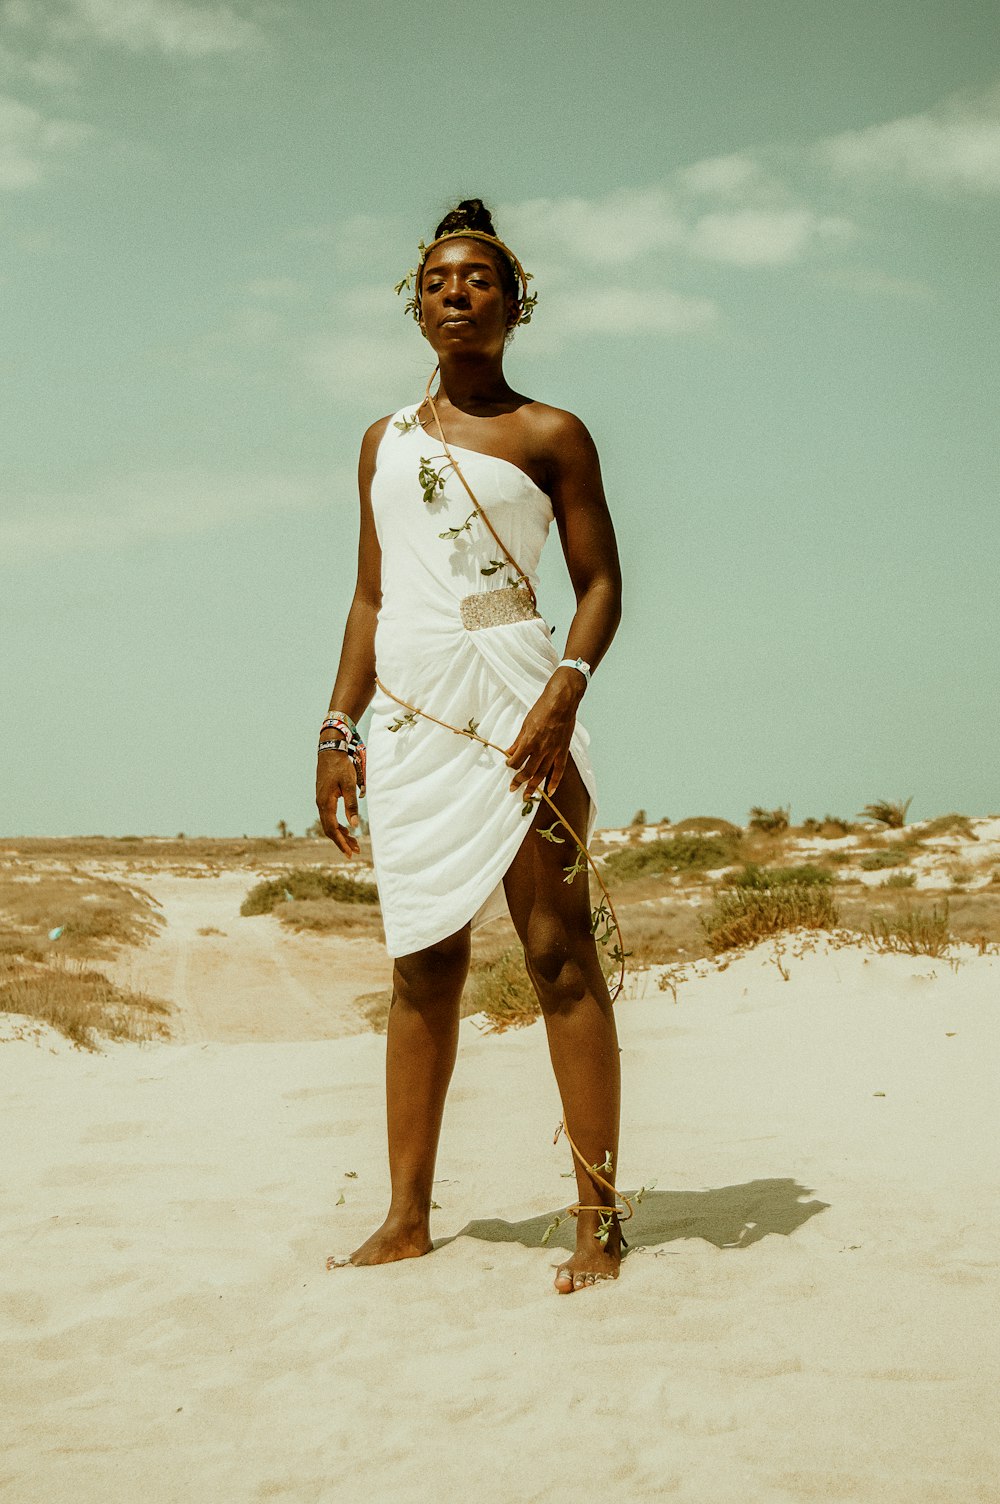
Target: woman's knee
x,y
432,969
560,964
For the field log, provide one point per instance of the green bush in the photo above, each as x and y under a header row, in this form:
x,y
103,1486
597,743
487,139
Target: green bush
x,y
684,853
884,856
900,880
741,917
306,883
752,876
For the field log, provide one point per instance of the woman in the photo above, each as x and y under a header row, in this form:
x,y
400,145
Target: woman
x,y
443,637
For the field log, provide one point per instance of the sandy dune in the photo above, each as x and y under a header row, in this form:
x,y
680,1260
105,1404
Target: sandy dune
x,y
253,979
808,1313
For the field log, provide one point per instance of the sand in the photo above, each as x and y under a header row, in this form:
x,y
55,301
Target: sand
x,y
808,1312
234,979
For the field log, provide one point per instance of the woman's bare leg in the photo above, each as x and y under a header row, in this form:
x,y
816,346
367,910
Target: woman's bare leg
x,y
421,1044
552,918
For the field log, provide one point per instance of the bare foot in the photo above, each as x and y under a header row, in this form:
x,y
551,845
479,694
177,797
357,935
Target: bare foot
x,y
394,1240
590,1263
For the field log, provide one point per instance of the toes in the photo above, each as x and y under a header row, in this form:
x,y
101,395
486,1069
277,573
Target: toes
x,y
340,1261
564,1281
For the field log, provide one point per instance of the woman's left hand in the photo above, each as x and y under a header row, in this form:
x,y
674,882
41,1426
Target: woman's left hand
x,y
541,751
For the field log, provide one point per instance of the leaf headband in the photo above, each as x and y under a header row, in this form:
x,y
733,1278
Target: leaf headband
x,y
524,301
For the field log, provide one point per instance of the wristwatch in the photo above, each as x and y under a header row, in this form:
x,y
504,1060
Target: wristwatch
x,y
577,663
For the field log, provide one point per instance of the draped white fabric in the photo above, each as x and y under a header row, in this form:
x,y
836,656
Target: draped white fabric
x,y
444,824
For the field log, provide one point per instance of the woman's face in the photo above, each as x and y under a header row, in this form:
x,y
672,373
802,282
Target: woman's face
x,y
463,305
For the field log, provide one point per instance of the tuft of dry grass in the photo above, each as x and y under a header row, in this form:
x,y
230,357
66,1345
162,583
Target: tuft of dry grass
x,y
950,825
94,915
753,876
300,884
912,931
831,827
740,917
501,990
83,1004
883,812
771,821
329,916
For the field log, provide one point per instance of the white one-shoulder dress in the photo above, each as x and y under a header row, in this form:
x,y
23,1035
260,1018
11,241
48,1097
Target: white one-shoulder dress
x,y
444,823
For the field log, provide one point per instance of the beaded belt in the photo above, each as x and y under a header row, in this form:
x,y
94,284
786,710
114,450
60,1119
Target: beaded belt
x,y
497,608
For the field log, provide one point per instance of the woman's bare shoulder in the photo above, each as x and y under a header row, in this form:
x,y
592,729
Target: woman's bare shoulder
x,y
373,437
554,426
375,432
554,430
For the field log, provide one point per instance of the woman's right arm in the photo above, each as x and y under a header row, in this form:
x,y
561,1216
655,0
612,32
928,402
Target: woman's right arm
x,y
355,682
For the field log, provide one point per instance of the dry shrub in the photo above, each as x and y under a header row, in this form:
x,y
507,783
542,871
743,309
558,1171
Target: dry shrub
x,y
181,853
883,812
740,917
666,932
752,876
83,1005
912,931
831,827
502,991
304,883
950,825
771,821
901,880
95,914
329,916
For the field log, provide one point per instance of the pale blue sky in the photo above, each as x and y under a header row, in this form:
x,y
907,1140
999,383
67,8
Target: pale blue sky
x,y
764,236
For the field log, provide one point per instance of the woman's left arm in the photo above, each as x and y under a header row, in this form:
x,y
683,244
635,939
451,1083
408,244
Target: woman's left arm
x,y
541,750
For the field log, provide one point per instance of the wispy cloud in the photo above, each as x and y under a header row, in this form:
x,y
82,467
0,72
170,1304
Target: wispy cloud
x,y
766,237
728,208
172,27
952,148
43,69
627,311
156,505
876,283
362,369
30,142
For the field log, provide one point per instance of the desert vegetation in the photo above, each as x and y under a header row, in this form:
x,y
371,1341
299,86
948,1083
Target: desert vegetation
x,y
701,887
54,927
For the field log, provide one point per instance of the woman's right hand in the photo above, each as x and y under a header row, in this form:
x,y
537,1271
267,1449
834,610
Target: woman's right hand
x,y
336,780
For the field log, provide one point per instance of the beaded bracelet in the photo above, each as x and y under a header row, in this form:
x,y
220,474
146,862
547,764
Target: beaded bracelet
x,y
339,720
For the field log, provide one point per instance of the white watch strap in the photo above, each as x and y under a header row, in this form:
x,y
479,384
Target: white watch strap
x,y
578,663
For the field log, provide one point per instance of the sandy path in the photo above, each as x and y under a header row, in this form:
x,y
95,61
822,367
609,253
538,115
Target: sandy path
x,y
254,980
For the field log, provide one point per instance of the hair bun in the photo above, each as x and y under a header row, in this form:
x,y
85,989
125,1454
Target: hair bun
x,y
470,214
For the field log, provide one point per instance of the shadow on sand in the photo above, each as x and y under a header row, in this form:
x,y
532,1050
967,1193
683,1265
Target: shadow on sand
x,y
731,1216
